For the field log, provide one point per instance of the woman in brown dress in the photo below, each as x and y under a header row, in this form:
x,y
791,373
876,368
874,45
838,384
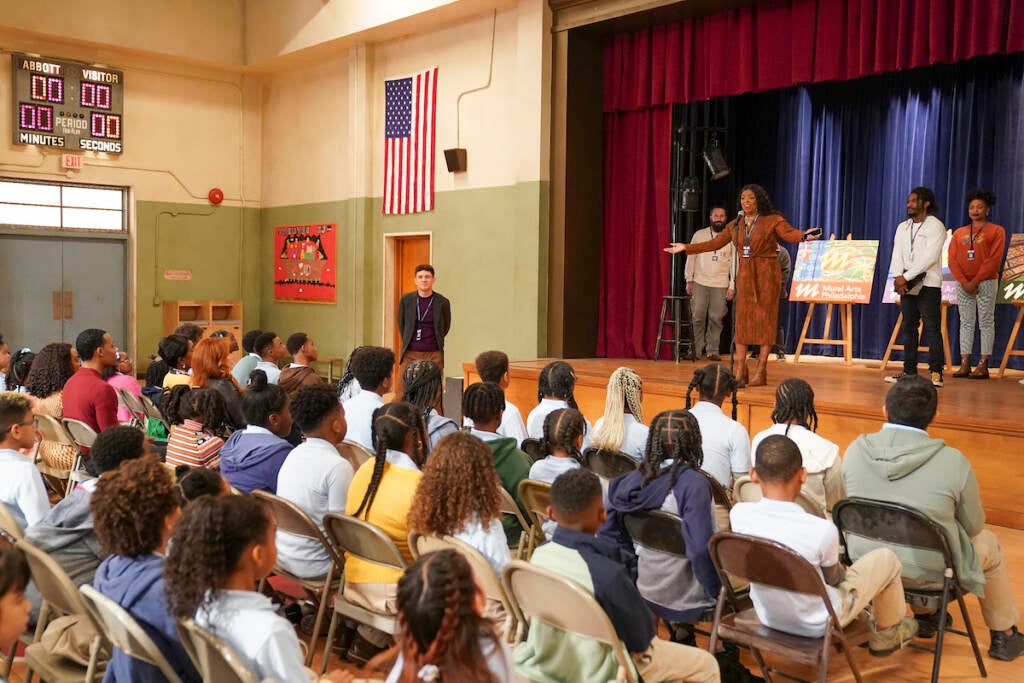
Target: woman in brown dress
x,y
52,368
758,277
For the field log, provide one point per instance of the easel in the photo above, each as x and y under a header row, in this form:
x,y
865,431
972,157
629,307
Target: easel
x,y
845,327
943,326
1013,339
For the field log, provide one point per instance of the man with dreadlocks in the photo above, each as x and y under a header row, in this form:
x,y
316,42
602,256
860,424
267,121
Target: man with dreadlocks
x,y
422,380
726,442
794,416
622,427
554,391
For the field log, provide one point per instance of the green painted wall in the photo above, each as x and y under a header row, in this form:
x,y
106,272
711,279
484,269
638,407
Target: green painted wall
x,y
220,245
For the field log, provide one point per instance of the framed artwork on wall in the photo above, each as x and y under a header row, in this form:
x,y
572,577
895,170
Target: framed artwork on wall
x,y
305,263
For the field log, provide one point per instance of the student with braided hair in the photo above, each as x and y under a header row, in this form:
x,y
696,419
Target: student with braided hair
x,y
422,381
482,403
622,427
443,635
381,493
252,457
726,441
794,416
198,419
554,391
371,367
563,439
492,366
221,548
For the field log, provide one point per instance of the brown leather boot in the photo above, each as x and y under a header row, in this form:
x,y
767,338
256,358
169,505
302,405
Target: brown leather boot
x,y
760,377
965,367
739,371
980,372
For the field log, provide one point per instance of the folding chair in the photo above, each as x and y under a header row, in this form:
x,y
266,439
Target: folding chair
x,y
10,525
292,519
746,490
125,633
367,542
53,431
214,659
355,453
894,524
536,496
768,563
533,449
82,434
721,495
563,604
606,463
421,544
511,508
134,406
10,534
60,597
153,412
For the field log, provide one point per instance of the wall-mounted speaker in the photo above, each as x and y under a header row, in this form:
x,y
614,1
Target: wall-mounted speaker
x,y
455,159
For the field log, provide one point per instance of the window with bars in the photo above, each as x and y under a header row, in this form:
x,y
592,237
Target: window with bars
x,y
62,206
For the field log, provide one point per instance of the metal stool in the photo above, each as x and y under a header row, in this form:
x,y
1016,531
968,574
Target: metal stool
x,y
675,311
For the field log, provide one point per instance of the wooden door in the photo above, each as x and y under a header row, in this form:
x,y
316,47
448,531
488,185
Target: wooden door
x,y
410,251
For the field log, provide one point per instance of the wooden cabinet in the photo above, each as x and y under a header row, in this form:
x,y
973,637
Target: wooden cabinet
x,y
209,315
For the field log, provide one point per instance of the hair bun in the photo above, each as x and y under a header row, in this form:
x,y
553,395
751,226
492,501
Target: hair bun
x,y
257,380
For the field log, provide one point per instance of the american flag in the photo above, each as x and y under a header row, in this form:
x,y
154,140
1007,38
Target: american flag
x,y
410,105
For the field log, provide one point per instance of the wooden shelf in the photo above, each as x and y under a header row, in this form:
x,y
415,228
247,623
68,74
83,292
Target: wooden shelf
x,y
209,315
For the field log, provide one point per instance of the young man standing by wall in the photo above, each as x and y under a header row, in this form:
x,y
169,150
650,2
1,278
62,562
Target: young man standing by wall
x,y
424,318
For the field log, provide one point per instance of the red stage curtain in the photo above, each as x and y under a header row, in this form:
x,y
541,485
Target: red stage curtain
x,y
634,276
788,42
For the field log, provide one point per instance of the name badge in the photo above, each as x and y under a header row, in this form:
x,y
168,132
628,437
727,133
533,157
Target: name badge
x,y
746,251
419,334
970,254
714,257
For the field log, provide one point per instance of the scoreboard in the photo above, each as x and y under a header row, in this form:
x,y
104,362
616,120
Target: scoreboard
x,y
73,106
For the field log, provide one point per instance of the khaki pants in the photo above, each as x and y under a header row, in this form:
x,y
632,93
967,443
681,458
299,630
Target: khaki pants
x,y
873,579
670,662
379,597
410,356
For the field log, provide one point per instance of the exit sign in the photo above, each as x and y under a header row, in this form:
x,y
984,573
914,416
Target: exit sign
x,y
71,161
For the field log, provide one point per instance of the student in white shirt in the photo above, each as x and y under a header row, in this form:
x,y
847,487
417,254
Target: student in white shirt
x,y
622,427
794,416
271,350
873,580
458,496
314,476
725,441
21,485
247,363
371,366
563,438
554,391
422,382
221,548
492,366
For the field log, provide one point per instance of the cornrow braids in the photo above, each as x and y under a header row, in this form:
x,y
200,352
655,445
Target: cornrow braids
x,y
441,632
345,383
392,422
561,429
483,401
422,379
714,382
624,392
557,379
794,402
675,436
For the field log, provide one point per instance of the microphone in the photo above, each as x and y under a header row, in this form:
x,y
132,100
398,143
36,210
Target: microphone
x,y
739,216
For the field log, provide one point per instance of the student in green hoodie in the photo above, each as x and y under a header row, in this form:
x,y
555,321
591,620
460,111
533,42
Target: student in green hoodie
x,y
484,403
902,464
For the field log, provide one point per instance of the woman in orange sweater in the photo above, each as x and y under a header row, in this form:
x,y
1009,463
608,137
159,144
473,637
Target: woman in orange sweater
x,y
975,254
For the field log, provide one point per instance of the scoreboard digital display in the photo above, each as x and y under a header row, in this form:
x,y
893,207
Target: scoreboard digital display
x,y
69,105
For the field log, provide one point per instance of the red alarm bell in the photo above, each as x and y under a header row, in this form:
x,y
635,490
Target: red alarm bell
x,y
216,196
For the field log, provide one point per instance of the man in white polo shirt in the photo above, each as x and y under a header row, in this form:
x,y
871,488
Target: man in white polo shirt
x,y
873,579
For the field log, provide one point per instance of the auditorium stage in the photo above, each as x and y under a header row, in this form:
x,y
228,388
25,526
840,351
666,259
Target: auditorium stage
x,y
977,417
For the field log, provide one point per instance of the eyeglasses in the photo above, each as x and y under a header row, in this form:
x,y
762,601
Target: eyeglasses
x,y
34,422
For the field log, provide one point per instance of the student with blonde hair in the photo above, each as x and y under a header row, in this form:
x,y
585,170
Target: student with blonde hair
x,y
622,427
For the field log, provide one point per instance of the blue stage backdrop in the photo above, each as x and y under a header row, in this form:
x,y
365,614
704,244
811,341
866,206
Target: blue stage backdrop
x,y
845,155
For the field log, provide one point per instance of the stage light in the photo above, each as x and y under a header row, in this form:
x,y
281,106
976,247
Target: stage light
x,y
690,200
715,160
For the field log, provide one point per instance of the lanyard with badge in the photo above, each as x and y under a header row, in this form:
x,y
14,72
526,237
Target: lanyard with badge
x,y
420,317
970,252
746,237
714,254
913,237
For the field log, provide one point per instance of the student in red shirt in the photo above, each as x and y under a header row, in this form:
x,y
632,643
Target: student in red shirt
x,y
86,396
975,254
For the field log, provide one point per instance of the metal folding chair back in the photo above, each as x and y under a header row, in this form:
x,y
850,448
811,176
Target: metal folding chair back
x,y
355,453
82,434
719,493
656,530
772,564
608,463
510,508
533,449
53,430
894,524
9,524
536,496
125,633
214,659
562,603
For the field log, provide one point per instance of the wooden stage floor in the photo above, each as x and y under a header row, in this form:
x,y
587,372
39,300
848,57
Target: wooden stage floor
x,y
977,417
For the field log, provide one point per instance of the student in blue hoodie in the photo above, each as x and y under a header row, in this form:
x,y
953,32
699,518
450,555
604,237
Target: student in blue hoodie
x,y
252,457
135,509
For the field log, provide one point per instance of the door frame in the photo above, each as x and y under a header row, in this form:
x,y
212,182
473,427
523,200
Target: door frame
x,y
390,248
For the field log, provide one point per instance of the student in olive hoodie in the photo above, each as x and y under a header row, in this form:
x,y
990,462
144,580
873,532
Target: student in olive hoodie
x,y
484,403
299,374
136,508
902,464
252,457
